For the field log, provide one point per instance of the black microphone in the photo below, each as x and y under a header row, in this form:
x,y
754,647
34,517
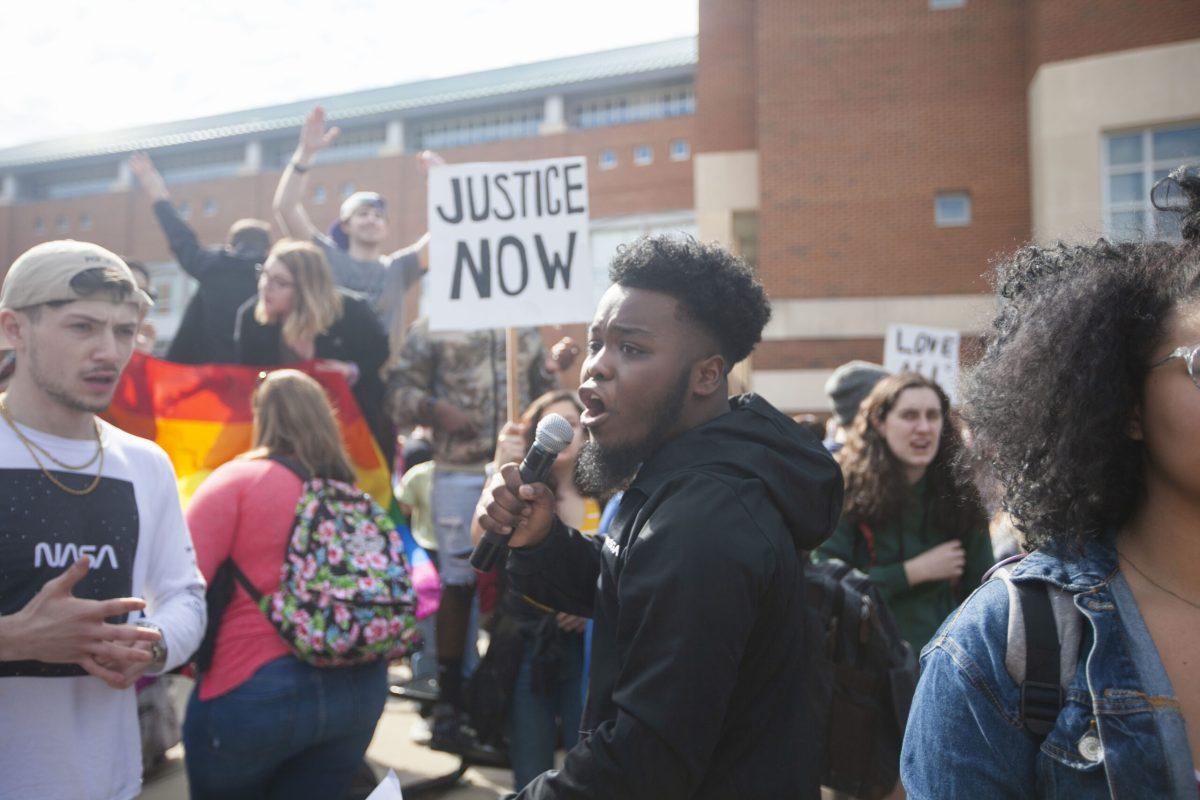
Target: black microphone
x,y
554,434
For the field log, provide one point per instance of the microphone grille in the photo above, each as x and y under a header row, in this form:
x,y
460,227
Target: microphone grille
x,y
554,433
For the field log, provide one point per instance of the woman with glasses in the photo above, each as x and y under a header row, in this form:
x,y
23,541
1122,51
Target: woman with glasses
x,y
300,315
1086,412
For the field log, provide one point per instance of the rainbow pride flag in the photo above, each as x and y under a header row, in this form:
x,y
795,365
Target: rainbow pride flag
x,y
201,415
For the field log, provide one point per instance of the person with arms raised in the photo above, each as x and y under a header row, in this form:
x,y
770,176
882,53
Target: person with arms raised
x,y
225,275
355,243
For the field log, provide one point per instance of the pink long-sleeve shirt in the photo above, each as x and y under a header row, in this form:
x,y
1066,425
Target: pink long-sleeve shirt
x,y
244,510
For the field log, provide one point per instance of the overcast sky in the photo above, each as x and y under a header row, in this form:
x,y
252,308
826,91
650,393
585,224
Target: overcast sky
x,y
78,66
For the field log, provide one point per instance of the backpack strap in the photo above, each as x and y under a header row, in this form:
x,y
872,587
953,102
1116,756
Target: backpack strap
x,y
868,537
1045,633
243,581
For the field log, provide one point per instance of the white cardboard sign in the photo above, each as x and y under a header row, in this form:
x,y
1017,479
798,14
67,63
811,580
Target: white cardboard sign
x,y
509,244
932,352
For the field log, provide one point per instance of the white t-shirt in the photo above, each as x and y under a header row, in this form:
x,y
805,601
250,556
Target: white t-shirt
x,y
63,733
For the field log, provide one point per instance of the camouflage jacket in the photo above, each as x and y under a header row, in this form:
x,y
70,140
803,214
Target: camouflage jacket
x,y
466,369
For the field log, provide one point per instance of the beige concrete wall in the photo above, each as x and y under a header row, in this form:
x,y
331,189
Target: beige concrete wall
x,y
1073,103
724,183
854,317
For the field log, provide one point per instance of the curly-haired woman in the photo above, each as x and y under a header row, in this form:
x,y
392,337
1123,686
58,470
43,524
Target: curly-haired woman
x,y
908,521
1085,410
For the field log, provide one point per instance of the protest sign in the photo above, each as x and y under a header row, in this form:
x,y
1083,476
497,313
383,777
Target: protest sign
x,y
509,244
932,352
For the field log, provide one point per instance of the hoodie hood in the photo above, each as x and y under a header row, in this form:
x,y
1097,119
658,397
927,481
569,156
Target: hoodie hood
x,y
756,441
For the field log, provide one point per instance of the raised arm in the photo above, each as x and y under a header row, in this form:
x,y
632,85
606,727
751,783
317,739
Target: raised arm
x,y
426,159
194,259
288,206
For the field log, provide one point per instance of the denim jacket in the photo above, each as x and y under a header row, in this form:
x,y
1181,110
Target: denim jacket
x,y
1120,733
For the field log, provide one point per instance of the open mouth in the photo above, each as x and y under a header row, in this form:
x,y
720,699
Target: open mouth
x,y
100,381
594,409
923,448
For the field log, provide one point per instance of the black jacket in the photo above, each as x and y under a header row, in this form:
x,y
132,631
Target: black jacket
x,y
357,336
698,661
226,279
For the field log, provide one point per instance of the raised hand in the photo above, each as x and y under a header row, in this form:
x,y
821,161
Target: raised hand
x,y
562,355
315,135
148,177
429,159
58,628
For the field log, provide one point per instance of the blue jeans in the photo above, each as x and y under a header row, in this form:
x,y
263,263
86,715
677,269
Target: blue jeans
x,y
535,719
291,731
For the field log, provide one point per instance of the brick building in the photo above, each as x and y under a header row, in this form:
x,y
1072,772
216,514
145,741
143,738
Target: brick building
x,y
868,157
882,153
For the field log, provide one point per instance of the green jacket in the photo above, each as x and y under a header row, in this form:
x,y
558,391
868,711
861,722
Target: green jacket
x,y
919,610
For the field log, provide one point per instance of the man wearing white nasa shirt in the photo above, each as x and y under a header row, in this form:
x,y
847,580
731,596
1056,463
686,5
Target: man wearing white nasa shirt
x,y
89,522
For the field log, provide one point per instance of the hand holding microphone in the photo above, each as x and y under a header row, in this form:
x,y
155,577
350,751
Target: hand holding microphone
x,y
522,509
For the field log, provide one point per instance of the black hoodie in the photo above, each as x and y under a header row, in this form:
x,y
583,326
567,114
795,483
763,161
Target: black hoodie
x,y
696,687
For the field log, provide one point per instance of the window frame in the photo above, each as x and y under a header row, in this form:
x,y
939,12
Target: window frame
x,y
1147,166
953,222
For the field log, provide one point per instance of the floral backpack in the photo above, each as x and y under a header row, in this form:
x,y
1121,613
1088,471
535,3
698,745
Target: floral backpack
x,y
344,595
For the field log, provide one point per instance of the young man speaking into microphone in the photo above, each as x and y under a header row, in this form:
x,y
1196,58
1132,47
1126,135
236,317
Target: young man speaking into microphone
x,y
698,663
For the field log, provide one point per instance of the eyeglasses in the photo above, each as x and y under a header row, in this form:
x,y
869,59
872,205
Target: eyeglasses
x,y
1190,356
272,280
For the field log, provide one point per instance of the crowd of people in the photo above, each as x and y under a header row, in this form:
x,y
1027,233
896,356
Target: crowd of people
x,y
651,617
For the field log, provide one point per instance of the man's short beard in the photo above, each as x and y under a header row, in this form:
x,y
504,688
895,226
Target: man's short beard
x,y
600,471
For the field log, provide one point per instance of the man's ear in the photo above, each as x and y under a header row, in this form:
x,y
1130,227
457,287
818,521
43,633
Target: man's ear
x,y
708,375
1133,428
15,326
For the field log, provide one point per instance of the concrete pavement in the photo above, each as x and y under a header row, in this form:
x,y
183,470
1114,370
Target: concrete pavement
x,y
392,748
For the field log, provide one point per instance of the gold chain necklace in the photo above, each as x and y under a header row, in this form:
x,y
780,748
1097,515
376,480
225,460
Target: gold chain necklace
x,y
33,448
30,443
1138,570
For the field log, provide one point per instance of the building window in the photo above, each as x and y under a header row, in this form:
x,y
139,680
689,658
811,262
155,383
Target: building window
x,y
210,207
185,210
364,141
319,194
347,189
680,150
598,111
1133,162
201,163
643,155
952,209
39,226
608,159
493,126
59,184
61,224
85,222
938,5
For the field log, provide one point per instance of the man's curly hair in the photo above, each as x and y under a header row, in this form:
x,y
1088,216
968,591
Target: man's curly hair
x,y
1051,402
716,290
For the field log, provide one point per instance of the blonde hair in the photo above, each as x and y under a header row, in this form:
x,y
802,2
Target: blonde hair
x,y
292,417
317,302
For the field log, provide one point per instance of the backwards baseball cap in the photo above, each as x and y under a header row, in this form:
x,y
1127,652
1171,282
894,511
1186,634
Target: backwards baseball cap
x,y
43,274
358,200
